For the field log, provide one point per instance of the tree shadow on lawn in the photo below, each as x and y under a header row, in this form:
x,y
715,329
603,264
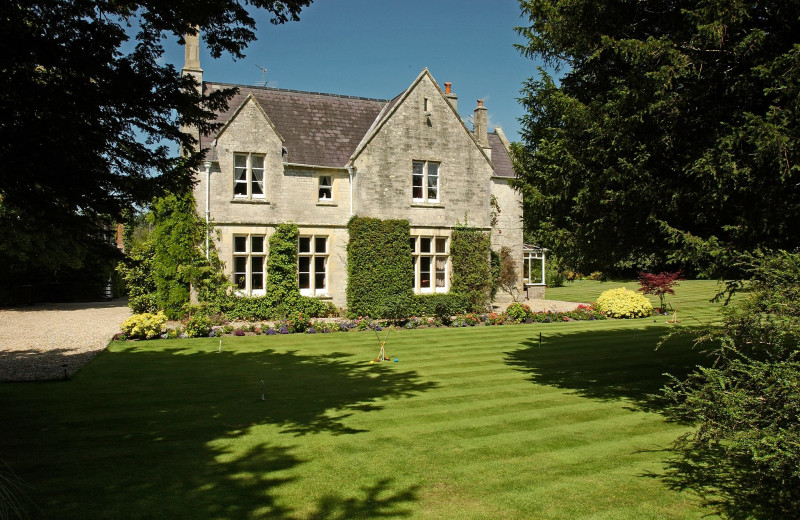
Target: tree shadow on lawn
x,y
174,433
608,364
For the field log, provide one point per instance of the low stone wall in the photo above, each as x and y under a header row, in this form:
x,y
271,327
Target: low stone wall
x,y
535,292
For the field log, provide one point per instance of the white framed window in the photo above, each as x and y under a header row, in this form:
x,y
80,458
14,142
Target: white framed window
x,y
325,188
533,265
431,256
312,265
249,264
248,175
425,181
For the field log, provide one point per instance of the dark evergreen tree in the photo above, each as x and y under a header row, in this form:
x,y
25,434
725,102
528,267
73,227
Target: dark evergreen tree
x,y
89,111
672,135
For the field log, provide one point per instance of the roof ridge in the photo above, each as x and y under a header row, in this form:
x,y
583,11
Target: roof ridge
x,y
276,89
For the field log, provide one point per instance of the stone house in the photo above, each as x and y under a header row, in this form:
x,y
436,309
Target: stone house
x,y
318,159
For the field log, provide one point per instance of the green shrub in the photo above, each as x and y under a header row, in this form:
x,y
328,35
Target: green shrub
x,y
297,322
553,274
258,308
198,326
136,270
380,270
144,326
624,303
177,235
518,312
315,308
472,275
440,305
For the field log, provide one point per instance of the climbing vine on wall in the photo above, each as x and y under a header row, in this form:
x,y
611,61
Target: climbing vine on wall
x,y
282,289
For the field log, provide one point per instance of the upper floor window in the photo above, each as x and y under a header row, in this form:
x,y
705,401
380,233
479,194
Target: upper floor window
x,y
249,264
325,187
425,181
248,175
312,265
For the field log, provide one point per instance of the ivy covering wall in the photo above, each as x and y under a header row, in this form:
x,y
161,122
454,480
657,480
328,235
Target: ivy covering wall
x,y
177,259
282,285
472,277
282,296
380,269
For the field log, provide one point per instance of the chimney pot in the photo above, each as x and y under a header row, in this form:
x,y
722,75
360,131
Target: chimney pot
x,y
448,93
480,102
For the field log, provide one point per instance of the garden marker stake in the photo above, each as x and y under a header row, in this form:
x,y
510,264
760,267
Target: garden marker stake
x,y
540,340
220,344
262,389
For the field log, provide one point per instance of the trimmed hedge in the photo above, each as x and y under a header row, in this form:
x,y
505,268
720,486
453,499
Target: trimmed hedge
x,y
282,289
440,305
380,269
261,308
472,276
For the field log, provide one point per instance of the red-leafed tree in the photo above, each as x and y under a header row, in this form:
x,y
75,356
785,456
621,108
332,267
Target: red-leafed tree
x,y
659,284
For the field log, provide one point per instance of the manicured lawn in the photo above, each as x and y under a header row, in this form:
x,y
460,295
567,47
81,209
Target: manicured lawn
x,y
691,298
470,423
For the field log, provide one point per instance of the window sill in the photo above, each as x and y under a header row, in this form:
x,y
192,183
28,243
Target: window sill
x,y
325,297
243,200
326,203
420,204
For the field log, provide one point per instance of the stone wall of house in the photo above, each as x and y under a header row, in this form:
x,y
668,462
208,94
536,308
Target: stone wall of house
x,y
291,193
508,231
423,127
384,168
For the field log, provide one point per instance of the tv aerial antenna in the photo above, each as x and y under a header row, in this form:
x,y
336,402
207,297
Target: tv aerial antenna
x,y
264,82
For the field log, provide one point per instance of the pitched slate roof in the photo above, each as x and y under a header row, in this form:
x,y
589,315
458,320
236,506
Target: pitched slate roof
x,y
326,129
318,129
500,158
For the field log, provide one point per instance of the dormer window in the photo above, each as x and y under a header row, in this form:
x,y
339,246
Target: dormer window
x,y
248,175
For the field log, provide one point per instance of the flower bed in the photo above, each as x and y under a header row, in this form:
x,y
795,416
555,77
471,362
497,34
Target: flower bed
x,y
298,323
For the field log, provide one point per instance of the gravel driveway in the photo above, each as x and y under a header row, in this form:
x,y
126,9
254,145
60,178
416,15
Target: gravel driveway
x,y
41,341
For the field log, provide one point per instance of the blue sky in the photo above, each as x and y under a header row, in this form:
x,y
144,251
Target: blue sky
x,y
376,48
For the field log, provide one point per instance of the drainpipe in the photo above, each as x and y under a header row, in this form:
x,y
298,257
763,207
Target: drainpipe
x,y
351,170
208,202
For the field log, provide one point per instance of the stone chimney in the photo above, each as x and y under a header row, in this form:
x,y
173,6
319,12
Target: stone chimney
x,y
452,98
191,57
480,125
191,67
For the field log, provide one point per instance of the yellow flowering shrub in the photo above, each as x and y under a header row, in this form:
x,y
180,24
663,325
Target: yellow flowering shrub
x,y
624,303
145,325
